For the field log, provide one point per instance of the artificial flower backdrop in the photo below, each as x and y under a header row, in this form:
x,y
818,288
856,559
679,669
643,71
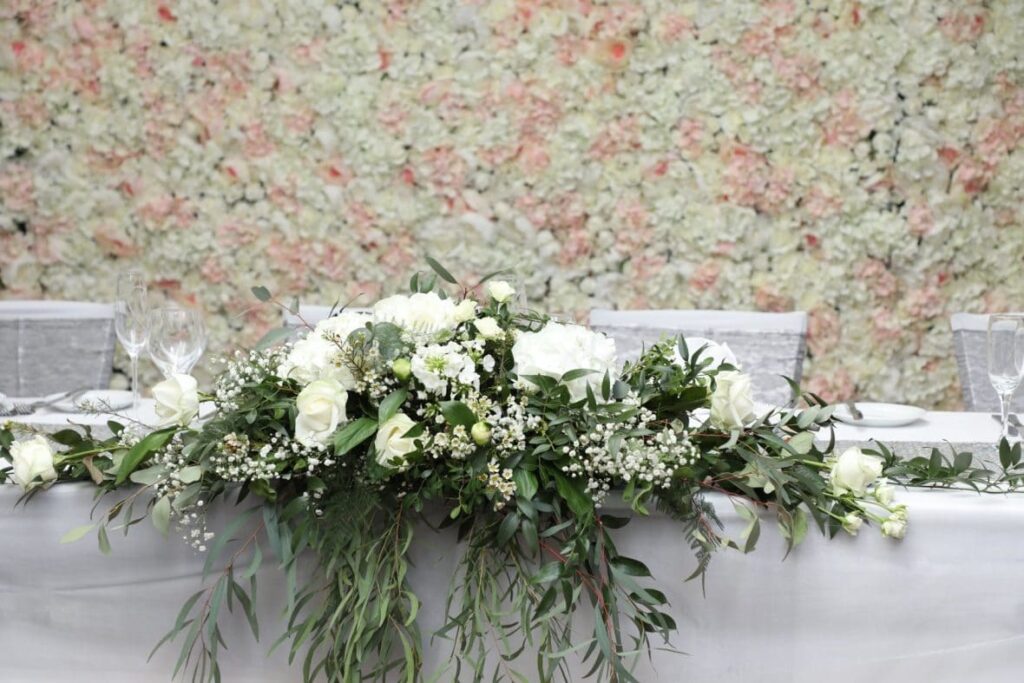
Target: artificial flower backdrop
x,y
858,160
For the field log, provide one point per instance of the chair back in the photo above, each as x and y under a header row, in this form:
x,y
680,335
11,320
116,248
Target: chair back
x,y
52,346
970,341
767,345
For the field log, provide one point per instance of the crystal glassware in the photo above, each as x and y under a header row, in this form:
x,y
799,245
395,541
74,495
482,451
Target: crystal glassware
x,y
177,339
131,321
1005,359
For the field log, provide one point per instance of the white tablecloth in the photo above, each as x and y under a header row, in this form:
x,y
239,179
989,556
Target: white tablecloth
x,y
943,605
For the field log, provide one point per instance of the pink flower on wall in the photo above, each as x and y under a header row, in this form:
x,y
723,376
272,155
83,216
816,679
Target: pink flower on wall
x,y
822,330
648,140
882,283
705,276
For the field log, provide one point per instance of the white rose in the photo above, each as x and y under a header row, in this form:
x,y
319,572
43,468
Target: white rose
x,y
318,356
489,328
342,325
718,353
465,310
424,314
500,290
852,523
732,403
556,349
321,407
896,525
392,447
853,471
885,494
33,462
177,399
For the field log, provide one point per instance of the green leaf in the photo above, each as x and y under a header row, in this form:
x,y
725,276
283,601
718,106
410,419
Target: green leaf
x,y
161,515
458,413
614,522
390,405
140,451
526,483
962,461
547,573
802,442
273,337
576,374
77,533
353,434
441,271
66,437
254,565
261,293
103,541
190,474
148,476
572,492
508,528
629,566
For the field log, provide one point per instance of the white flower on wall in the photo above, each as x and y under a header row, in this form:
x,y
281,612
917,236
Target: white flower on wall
x,y
859,161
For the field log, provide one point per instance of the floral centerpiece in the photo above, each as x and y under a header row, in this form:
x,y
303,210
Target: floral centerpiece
x,y
451,404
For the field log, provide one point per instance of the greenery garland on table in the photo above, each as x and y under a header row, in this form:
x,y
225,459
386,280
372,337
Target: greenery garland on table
x,y
517,427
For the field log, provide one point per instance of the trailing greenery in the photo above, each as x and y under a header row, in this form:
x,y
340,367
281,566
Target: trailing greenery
x,y
469,417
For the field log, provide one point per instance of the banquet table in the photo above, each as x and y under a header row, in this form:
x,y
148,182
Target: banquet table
x,y
940,605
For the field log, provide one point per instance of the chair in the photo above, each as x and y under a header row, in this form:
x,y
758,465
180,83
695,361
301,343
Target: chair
x,y
51,346
767,345
970,340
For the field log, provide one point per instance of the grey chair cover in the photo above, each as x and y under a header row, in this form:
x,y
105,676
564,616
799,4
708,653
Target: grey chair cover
x,y
767,345
51,346
970,340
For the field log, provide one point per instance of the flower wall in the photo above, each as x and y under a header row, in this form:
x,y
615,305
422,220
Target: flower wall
x,y
858,160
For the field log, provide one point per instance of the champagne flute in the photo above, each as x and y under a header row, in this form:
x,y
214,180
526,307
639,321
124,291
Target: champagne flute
x,y
522,304
177,339
131,322
1005,360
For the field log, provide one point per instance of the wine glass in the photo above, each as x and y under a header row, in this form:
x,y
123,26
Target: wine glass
x,y
521,302
1005,359
177,339
131,321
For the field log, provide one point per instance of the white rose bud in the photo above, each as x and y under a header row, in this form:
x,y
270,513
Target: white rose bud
x,y
177,399
732,404
489,328
852,523
853,471
885,494
465,310
33,463
896,525
321,407
500,290
392,446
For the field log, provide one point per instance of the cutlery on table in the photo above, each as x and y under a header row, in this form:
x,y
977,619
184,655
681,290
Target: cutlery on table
x,y
29,408
854,411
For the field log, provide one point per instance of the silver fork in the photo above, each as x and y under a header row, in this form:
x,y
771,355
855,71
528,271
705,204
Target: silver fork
x,y
29,408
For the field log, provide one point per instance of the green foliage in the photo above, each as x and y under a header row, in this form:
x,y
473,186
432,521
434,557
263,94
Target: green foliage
x,y
539,557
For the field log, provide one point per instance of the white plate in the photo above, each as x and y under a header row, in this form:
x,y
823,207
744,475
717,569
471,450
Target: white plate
x,y
104,400
880,414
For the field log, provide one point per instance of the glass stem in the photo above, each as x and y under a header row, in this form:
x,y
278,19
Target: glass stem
x,y
1004,406
134,383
